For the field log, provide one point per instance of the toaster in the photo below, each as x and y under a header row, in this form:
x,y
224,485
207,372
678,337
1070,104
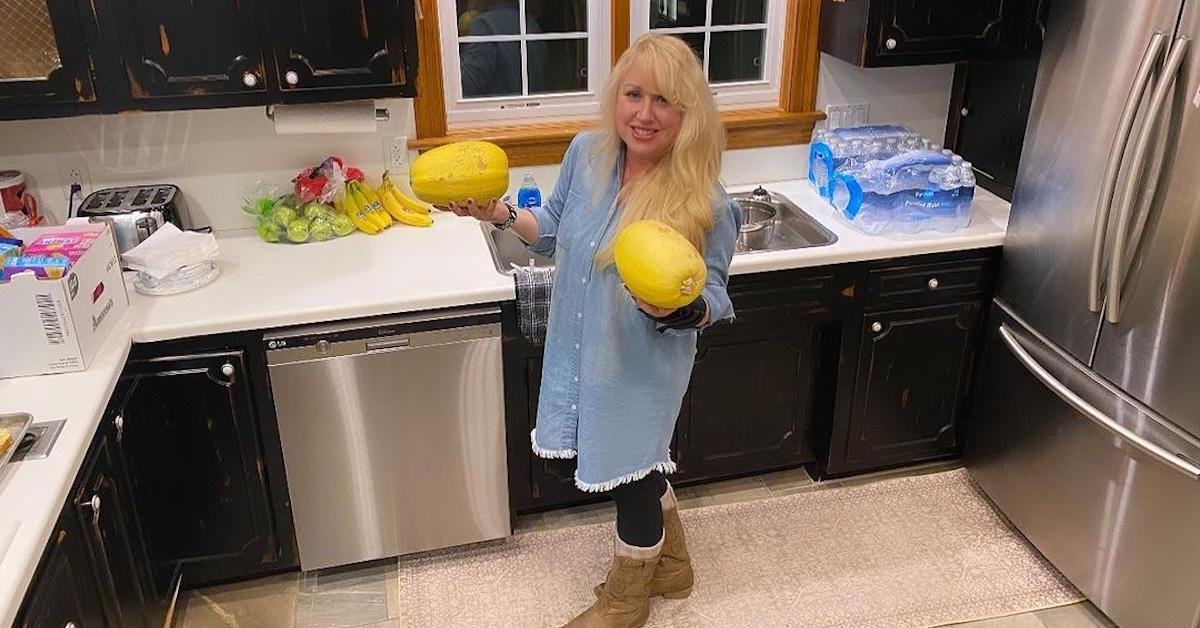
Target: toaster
x,y
137,211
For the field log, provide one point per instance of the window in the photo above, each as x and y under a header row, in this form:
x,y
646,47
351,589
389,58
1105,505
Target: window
x,y
761,57
514,61
739,41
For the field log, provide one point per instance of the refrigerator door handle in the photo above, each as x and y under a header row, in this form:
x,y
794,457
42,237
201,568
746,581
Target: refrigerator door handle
x,y
1113,168
1103,420
1116,276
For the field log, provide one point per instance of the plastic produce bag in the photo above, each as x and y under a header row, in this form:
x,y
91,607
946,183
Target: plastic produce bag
x,y
284,218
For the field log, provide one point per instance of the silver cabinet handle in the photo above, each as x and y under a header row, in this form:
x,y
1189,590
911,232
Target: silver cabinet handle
x,y
227,370
1116,270
1108,186
291,77
249,79
69,624
877,327
933,283
94,504
1091,412
964,112
890,43
119,422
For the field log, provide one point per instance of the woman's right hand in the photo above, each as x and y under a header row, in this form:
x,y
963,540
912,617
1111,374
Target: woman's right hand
x,y
494,211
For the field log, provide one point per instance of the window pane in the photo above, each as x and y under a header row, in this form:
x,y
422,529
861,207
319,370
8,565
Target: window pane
x,y
490,68
555,16
672,13
488,17
695,41
557,65
739,12
736,56
28,49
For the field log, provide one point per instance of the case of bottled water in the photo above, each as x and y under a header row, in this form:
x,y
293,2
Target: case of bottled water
x,y
849,147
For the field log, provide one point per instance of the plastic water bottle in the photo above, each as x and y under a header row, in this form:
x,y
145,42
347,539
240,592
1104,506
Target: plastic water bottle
x,y
843,148
529,195
906,193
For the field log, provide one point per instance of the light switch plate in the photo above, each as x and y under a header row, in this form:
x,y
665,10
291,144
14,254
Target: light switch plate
x,y
846,114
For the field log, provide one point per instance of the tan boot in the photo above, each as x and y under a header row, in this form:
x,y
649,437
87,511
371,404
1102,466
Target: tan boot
x,y
673,575
624,601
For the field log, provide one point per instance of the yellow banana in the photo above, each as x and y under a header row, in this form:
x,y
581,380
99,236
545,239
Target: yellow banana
x,y
401,214
375,208
405,200
353,207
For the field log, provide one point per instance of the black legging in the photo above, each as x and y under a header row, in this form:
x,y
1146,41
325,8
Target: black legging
x,y
639,510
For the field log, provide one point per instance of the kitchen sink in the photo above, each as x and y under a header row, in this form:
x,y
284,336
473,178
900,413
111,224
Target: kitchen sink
x,y
790,228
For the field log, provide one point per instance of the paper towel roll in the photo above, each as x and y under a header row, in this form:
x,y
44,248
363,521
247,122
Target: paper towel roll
x,y
343,117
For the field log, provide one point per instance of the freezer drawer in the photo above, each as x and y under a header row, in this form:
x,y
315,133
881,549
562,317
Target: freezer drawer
x,y
1119,515
393,436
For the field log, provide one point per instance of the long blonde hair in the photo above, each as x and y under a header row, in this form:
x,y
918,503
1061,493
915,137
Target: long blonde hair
x,y
679,190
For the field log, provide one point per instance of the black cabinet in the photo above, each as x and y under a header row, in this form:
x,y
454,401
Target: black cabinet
x,y
877,33
335,45
186,48
196,469
991,99
64,591
913,371
70,57
43,57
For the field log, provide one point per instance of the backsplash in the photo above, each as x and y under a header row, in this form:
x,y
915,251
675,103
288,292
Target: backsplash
x,y
215,156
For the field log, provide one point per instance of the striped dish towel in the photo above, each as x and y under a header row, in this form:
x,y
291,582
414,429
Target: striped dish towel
x,y
533,300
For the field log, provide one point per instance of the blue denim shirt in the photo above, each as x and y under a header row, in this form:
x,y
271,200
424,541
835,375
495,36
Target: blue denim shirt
x,y
611,384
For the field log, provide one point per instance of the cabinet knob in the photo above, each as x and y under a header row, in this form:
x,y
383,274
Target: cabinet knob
x,y
322,346
877,327
69,624
890,43
249,79
933,283
227,370
964,112
119,422
291,77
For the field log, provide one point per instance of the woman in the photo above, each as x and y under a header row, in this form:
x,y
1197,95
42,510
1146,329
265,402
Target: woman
x,y
615,368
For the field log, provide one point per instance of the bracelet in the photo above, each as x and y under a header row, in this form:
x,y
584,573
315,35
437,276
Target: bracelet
x,y
508,222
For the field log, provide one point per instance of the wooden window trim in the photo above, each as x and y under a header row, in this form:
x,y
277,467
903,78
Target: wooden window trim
x,y
791,122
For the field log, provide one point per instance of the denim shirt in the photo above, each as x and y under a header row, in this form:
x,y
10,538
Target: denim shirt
x,y
611,384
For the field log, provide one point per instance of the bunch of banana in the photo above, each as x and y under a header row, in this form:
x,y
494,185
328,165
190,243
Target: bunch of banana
x,y
402,207
364,208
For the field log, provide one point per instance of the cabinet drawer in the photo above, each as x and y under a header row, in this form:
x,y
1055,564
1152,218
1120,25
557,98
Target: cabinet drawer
x,y
918,284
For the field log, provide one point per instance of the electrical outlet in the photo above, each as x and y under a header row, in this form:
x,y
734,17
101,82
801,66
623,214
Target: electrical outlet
x,y
848,114
74,171
395,154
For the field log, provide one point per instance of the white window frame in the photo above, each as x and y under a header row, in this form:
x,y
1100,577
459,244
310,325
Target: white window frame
x,y
732,95
511,110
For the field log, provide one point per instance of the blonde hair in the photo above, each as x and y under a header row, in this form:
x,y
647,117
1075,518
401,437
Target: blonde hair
x,y
679,190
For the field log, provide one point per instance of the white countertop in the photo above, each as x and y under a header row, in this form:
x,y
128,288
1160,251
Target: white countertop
x,y
272,285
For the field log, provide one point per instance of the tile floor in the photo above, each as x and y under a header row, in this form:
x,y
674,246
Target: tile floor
x,y
367,596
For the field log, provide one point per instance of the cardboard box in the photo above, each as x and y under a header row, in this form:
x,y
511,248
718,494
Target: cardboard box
x,y
57,325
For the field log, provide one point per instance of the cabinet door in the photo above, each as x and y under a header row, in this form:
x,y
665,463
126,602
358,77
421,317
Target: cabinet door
x,y
914,367
187,48
322,44
109,531
64,591
750,398
938,27
42,53
191,445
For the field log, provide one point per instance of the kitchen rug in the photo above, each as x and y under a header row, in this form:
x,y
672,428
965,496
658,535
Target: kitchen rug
x,y
910,552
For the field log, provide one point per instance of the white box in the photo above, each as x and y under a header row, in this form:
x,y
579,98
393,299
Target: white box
x,y
56,325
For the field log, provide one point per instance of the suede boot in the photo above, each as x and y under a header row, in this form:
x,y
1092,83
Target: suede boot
x,y
624,601
673,575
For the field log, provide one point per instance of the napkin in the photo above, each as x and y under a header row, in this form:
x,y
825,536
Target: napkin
x,y
168,249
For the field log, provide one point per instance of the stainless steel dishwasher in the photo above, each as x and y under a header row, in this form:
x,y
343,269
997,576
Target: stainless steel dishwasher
x,y
393,434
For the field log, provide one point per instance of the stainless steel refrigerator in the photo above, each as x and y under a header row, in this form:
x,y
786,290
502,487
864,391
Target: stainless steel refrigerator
x,y
1085,425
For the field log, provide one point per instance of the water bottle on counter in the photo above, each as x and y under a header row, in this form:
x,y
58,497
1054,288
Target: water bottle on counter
x,y
529,195
850,147
910,192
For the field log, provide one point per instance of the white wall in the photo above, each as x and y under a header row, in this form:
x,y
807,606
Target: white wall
x,y
917,97
217,156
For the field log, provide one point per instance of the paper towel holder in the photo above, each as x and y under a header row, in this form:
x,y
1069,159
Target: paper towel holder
x,y
382,114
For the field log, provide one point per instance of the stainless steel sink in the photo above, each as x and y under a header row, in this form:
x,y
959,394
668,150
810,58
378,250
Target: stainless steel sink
x,y
793,229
